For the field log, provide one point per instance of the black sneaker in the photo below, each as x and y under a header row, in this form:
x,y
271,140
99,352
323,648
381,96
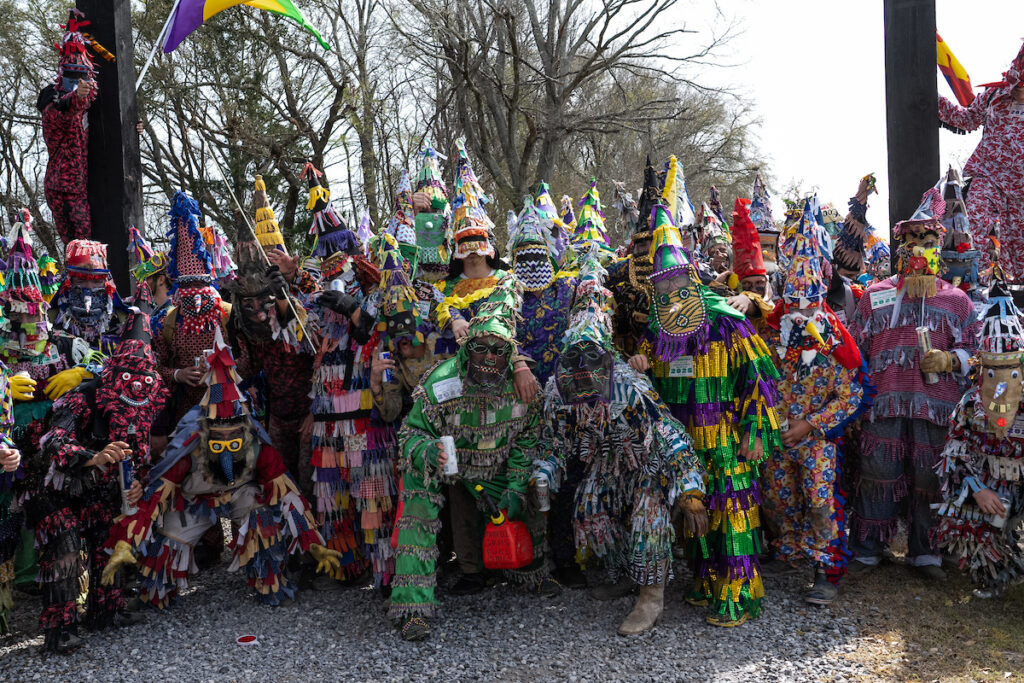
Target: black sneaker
x,y
571,577
469,584
822,592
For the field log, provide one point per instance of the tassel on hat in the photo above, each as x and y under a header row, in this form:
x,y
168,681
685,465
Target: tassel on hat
x,y
268,232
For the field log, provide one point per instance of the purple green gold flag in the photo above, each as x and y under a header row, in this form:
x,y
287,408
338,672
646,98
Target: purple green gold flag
x,y
191,14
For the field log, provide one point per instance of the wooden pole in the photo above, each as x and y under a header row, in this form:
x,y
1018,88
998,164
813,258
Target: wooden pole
x,y
911,104
115,164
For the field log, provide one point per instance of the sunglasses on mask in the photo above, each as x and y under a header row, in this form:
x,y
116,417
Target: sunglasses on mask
x,y
480,349
230,445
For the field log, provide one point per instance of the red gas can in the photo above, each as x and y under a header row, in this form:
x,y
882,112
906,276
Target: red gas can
x,y
507,545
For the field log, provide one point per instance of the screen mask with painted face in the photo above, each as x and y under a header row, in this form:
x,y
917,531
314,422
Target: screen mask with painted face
x,y
489,362
584,374
257,312
1002,387
532,266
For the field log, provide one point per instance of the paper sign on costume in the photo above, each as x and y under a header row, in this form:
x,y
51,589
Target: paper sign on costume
x,y
424,309
681,367
886,297
447,389
1017,429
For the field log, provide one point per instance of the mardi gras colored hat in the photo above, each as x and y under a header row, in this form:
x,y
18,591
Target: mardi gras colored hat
x,y
402,225
567,215
590,224
399,316
472,225
748,257
675,196
144,261
667,251
557,238
429,181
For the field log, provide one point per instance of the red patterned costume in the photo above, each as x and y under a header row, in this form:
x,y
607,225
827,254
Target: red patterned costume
x,y
198,314
82,489
997,165
65,131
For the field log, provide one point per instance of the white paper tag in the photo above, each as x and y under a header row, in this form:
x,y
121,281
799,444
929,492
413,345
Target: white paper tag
x,y
883,298
491,417
681,367
447,389
1017,429
424,309
1016,109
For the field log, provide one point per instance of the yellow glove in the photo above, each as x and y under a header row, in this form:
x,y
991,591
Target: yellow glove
x,y
122,555
327,560
937,361
65,381
22,388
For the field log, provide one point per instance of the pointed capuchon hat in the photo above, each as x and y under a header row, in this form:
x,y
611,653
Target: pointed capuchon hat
x,y
143,259
402,224
471,223
748,257
959,257
650,195
667,251
332,233
675,195
532,261
805,280
590,225
1002,338
22,291
189,260
268,231
558,236
567,215
400,316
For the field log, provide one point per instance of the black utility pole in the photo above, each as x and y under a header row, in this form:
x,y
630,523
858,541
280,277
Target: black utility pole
x,y
115,167
911,103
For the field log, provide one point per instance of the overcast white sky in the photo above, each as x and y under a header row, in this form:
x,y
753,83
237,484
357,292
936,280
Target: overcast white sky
x,y
815,72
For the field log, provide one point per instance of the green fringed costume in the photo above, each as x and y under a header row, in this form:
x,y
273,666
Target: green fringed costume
x,y
495,437
716,374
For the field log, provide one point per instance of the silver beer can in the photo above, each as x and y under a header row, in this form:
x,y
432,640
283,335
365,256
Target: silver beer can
x,y
451,466
924,343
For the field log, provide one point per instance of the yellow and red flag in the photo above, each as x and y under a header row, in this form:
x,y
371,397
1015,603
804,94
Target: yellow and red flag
x,y
953,70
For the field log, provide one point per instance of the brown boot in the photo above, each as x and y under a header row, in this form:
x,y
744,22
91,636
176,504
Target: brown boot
x,y
646,612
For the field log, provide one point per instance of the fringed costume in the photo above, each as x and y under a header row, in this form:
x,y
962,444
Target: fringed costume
x,y
717,376
353,449
495,439
903,436
220,463
984,454
82,496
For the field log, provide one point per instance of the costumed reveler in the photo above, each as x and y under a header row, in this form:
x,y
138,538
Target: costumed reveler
x,y
960,260
628,279
405,333
198,314
265,336
589,227
149,268
433,228
849,255
44,366
753,294
612,448
982,465
64,106
995,168
98,431
821,385
547,296
903,435
717,377
88,305
353,449
219,464
11,520
470,398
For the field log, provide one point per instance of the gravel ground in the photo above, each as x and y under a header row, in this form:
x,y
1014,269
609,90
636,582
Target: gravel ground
x,y
499,634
